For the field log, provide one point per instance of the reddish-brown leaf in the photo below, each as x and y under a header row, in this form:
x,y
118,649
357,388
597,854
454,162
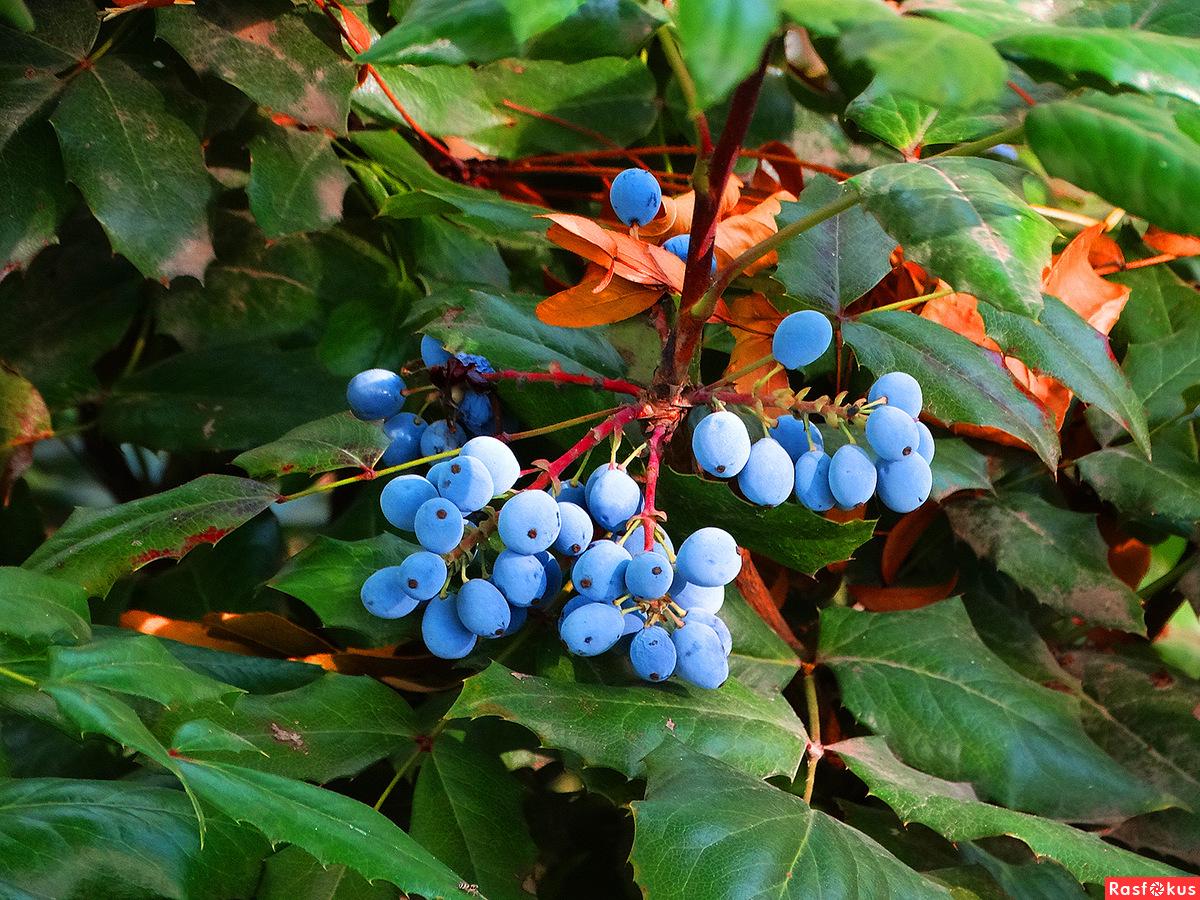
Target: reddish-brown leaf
x,y
740,232
582,307
268,631
752,321
1073,281
894,599
751,585
1175,244
903,537
629,258
24,420
358,34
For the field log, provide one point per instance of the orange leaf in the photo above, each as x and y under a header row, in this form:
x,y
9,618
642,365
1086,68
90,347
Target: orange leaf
x,y
180,630
581,306
685,205
893,599
1073,281
1105,252
359,36
740,232
1174,244
631,259
752,322
903,537
751,586
789,174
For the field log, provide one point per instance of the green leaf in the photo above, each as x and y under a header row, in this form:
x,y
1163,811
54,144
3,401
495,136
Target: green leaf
x,y
760,660
24,420
1056,554
961,382
201,736
17,14
1165,372
1159,172
1160,303
95,547
957,466
328,574
1143,60
334,829
789,534
909,124
1172,832
1063,345
948,706
292,874
759,735
151,196
466,810
225,398
1165,492
830,17
65,32
959,220
296,181
33,188
68,837
952,809
139,666
286,59
39,611
705,830
256,674
614,95
326,445
832,265
957,69
722,42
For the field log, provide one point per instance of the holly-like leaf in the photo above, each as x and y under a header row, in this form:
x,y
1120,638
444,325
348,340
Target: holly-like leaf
x,y
64,33
24,420
151,196
960,381
760,660
705,829
789,533
283,58
722,42
909,124
95,547
296,181
39,611
957,466
756,734
1165,492
326,445
32,187
1056,554
292,874
953,810
925,672
1165,372
961,222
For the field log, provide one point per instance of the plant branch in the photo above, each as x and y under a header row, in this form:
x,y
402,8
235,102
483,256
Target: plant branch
x,y
911,301
616,385
815,750
1007,136
687,86
650,514
615,422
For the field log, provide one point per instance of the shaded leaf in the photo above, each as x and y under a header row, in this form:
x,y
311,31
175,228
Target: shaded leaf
x,y
957,466
24,420
1165,491
760,660
326,445
38,610
1164,372
65,32
33,189
296,181
292,874
722,42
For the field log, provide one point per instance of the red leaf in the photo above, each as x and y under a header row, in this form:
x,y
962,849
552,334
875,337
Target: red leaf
x,y
1174,244
894,599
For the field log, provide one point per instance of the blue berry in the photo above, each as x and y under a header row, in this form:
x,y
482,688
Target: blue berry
x,y
769,474
571,605
711,620
476,413
432,352
465,481
902,392
573,492
501,463
599,573
812,481
402,497
384,596
652,653
554,578
482,609
635,621
801,338
700,658
592,628
635,543
576,531
613,498
792,436
892,432
375,394
709,558
721,444
925,446
529,522
439,437
520,577
516,618
648,576
475,360
404,430
904,484
694,596
680,244
422,574
439,525
851,476
635,196
443,631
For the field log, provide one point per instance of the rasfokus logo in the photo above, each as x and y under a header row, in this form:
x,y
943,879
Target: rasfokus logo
x,y
1152,887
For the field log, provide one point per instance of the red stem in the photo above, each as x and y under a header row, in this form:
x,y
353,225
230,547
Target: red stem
x,y
616,385
573,126
615,422
681,150
649,514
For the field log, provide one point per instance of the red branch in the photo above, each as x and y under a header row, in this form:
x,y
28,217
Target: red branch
x,y
613,423
616,385
650,513
596,136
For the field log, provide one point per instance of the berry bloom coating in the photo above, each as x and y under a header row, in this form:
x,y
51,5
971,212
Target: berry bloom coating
x,y
592,628
482,609
801,338
904,484
529,522
383,594
554,578
466,482
439,437
812,481
926,446
635,621
432,352
573,493
599,573
769,474
851,476
613,497
710,619
721,444
405,430
439,525
649,575
519,576
499,459
576,531
680,244
700,659
516,618
402,497
476,413
635,543
693,596
422,574
375,394
570,606
635,196
652,653
709,558
791,434
902,392
892,432
443,631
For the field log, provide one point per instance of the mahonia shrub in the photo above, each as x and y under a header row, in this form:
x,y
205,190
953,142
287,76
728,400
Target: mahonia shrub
x,y
599,448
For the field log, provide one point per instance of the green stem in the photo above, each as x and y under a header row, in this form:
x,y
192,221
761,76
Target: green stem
x,y
1180,569
1007,136
912,301
815,751
695,112
17,676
